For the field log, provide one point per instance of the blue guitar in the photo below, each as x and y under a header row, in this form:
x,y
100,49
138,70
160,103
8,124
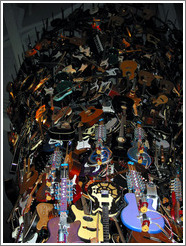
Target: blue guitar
x,y
138,153
135,220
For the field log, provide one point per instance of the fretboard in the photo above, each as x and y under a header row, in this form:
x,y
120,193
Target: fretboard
x,y
105,223
63,205
80,134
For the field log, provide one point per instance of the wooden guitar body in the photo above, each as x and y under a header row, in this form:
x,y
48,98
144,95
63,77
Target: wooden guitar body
x,y
43,210
73,231
28,180
40,195
89,223
145,237
74,164
91,116
128,66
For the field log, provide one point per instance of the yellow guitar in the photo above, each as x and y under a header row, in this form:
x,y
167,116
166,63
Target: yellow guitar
x,y
91,227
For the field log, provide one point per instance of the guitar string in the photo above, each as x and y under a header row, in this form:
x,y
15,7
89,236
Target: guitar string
x,y
164,218
165,232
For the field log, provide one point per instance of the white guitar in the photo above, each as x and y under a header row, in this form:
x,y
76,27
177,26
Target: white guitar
x,y
108,109
82,144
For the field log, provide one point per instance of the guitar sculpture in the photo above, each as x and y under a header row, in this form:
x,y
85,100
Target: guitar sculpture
x,y
58,226
136,220
138,152
139,215
105,197
91,225
102,154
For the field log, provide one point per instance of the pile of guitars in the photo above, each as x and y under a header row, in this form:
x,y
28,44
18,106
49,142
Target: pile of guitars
x,y
96,113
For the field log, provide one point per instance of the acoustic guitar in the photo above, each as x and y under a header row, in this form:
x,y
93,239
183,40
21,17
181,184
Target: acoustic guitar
x,y
29,178
128,67
91,115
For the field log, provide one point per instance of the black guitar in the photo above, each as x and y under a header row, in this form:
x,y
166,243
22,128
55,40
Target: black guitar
x,y
64,130
105,197
120,141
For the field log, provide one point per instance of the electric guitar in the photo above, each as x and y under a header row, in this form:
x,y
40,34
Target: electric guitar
x,y
138,153
43,210
91,226
105,197
145,219
82,144
139,215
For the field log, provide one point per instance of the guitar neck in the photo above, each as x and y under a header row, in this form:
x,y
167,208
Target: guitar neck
x,y
80,134
123,124
105,223
119,231
84,204
63,205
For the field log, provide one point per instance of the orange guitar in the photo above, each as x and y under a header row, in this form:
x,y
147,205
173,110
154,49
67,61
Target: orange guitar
x,y
91,115
44,210
29,178
128,67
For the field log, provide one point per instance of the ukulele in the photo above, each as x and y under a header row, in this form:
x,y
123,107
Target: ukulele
x,y
105,197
